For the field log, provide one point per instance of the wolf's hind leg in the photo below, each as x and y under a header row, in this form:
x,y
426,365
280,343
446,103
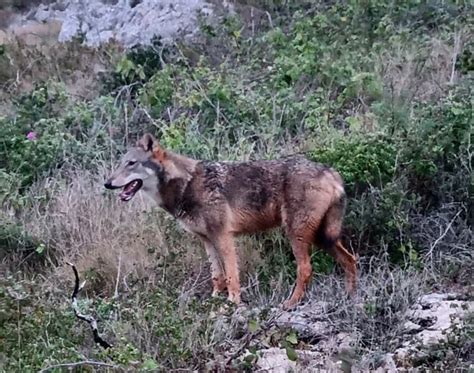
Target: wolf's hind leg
x,y
303,271
348,263
328,238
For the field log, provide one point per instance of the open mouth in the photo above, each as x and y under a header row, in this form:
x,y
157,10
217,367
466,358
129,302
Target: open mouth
x,y
130,190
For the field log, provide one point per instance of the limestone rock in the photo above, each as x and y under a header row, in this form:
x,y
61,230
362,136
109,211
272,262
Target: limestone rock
x,y
129,22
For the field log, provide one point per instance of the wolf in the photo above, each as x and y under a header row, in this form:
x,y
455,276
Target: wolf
x,y
218,200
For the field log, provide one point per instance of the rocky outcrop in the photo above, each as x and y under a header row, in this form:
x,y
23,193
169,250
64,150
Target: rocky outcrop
x,y
429,323
130,22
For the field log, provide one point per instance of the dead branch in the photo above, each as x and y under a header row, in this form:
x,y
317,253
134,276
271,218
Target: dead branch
x,y
87,318
438,240
76,364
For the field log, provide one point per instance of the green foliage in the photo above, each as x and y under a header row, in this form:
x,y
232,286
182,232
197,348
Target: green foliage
x,y
25,157
49,130
361,159
129,71
381,216
137,66
13,239
158,91
443,136
34,332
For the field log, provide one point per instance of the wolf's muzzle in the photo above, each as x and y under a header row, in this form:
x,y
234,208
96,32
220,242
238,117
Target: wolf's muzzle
x,y
108,185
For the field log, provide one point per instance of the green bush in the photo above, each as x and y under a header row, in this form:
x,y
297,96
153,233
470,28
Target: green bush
x,y
361,159
443,135
34,332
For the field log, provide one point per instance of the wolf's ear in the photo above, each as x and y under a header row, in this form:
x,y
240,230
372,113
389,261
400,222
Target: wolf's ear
x,y
147,142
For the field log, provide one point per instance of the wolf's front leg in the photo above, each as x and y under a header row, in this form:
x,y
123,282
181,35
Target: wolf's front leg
x,y
226,247
219,283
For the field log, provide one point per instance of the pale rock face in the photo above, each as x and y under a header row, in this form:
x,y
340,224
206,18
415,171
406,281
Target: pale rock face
x,y
439,313
431,319
275,360
129,22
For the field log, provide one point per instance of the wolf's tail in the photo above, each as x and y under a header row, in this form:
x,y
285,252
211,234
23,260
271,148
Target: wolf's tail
x,y
331,225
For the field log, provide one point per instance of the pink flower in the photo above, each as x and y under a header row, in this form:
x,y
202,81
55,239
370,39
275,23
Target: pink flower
x,y
31,136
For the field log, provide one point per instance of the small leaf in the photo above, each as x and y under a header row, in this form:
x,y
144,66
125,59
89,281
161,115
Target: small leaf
x,y
250,358
40,249
253,326
291,338
291,353
149,364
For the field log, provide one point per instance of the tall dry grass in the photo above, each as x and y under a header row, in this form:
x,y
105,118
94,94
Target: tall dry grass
x,y
422,74
112,241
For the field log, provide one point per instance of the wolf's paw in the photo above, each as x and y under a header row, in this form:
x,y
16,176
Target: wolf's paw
x,y
217,293
289,305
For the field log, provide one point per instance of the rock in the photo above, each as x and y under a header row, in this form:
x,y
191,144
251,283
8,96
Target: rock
x,y
411,327
275,360
42,14
437,313
70,28
431,319
429,322
387,365
98,21
308,320
105,36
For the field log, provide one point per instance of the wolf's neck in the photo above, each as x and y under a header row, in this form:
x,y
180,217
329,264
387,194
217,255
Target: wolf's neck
x,y
175,198
179,171
179,166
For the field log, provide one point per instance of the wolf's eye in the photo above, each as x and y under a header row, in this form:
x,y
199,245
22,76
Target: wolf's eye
x,y
131,163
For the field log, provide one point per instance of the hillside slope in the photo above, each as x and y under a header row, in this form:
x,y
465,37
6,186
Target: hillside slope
x,y
379,90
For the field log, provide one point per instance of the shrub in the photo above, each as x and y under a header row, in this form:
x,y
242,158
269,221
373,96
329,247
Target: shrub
x,y
362,159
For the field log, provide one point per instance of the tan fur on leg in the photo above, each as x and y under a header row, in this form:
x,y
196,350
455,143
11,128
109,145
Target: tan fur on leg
x,y
219,283
227,251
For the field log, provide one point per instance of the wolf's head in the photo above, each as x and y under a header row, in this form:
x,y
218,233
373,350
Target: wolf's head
x,y
140,168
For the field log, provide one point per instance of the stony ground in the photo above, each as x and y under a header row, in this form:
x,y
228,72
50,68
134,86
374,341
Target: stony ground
x,y
431,322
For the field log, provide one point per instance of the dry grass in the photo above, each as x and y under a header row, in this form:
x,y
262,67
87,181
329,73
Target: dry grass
x,y
33,55
422,74
105,237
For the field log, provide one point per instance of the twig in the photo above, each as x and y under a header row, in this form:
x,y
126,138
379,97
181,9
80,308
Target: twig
x,y
76,364
457,46
87,318
430,253
270,21
116,293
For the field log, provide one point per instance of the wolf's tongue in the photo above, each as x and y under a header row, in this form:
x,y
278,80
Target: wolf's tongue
x,y
124,195
129,190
